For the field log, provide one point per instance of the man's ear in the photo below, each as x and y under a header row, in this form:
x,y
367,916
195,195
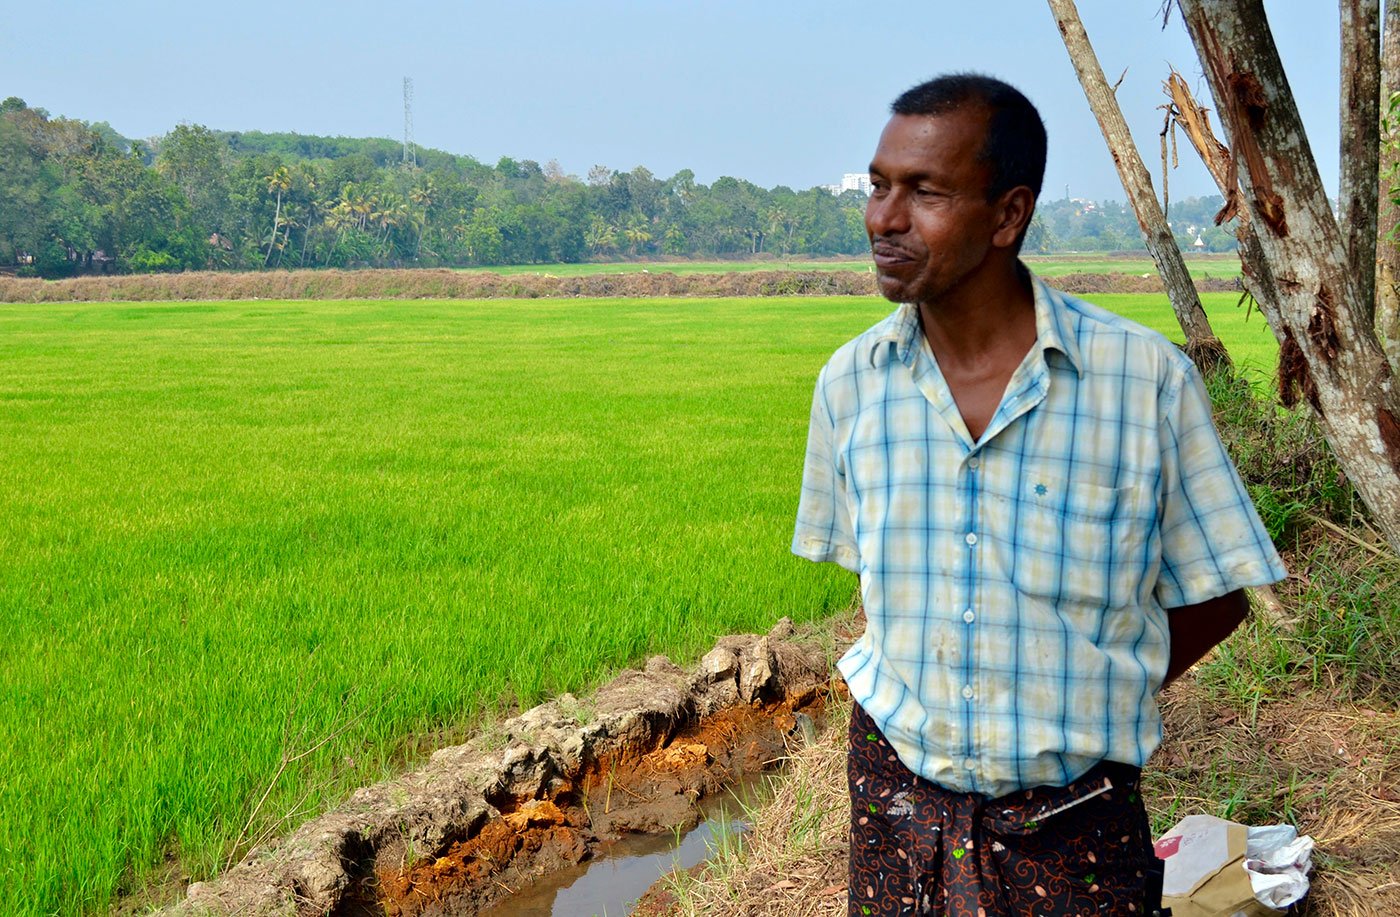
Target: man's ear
x,y
1014,211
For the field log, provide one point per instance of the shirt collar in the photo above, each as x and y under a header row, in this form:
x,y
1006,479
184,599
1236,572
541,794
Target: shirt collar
x,y
1054,328
1054,325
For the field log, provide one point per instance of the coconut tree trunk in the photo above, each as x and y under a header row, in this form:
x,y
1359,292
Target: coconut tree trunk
x,y
1330,353
1201,343
1388,218
276,218
1356,205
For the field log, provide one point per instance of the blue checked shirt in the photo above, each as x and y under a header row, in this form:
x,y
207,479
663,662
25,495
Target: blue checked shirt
x,y
1015,588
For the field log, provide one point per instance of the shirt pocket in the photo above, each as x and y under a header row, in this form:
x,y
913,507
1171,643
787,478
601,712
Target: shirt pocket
x,y
1079,542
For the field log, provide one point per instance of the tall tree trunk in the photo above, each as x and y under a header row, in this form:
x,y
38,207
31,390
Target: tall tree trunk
x,y
306,240
1356,204
1201,343
1330,353
1388,218
286,240
276,218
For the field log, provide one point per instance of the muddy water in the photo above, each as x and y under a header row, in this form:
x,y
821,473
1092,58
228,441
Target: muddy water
x,y
619,873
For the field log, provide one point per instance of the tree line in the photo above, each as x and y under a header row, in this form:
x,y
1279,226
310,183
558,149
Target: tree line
x,y
80,198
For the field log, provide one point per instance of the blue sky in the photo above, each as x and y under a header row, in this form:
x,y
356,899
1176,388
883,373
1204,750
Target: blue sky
x,y
778,92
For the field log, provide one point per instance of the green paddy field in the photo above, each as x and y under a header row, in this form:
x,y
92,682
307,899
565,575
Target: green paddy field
x,y
233,530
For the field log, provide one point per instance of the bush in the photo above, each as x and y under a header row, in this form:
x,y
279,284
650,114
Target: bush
x,y
52,261
145,261
1283,459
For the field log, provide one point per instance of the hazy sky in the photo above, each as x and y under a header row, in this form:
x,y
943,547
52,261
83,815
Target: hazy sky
x,y
779,92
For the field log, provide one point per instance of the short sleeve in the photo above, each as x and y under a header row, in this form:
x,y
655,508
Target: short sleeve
x,y
824,532
1212,539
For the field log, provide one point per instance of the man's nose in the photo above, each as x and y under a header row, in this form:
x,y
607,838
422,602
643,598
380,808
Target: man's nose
x,y
887,214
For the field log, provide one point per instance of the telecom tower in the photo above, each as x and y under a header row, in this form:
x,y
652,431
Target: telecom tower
x,y
410,153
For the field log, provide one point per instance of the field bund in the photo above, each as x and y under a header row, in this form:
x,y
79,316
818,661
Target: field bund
x,y
255,554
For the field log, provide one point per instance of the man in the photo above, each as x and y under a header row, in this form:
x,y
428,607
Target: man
x,y
1046,529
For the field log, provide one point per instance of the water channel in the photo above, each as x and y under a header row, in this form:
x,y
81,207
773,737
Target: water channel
x,y
609,884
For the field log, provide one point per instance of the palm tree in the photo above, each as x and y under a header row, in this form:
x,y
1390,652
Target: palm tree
x,y
315,216
280,181
780,223
392,213
340,216
636,232
674,240
601,237
422,197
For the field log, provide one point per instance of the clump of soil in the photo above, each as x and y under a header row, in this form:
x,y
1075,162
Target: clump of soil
x,y
483,818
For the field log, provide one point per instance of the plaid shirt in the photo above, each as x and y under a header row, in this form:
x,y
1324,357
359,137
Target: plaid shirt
x,y
1015,588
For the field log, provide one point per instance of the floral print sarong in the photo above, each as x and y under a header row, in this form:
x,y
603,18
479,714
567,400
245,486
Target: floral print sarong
x,y
916,848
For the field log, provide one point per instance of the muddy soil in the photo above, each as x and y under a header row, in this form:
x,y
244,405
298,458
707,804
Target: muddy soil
x,y
482,819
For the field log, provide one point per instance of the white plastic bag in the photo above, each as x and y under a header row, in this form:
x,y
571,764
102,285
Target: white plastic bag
x,y
1278,862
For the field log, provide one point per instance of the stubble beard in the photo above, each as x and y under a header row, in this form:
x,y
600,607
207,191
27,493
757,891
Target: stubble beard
x,y
900,290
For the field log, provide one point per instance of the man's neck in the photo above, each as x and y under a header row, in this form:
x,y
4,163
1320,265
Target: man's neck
x,y
991,317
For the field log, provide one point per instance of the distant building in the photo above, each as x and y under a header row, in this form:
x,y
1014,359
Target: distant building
x,y
856,181
851,181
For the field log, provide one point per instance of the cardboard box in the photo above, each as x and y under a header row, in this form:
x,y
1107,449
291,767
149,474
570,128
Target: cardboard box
x,y
1205,875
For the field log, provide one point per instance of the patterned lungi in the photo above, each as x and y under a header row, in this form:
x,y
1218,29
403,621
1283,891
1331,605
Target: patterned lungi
x,y
916,848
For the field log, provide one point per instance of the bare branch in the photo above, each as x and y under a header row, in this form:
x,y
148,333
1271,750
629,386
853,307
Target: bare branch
x,y
1201,343
1166,13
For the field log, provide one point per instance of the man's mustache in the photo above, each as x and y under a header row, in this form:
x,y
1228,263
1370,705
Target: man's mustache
x,y
883,246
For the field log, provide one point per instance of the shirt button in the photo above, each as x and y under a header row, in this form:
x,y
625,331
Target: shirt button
x,y
969,764
974,462
967,692
968,616
971,538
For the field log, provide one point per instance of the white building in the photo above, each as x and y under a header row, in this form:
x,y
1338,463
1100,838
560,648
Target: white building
x,y
856,181
851,181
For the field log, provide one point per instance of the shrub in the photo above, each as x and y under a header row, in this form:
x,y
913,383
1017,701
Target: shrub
x,y
1283,459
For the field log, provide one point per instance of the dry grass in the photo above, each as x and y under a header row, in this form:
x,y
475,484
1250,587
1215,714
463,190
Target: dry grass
x,y
1329,768
793,859
446,284
427,284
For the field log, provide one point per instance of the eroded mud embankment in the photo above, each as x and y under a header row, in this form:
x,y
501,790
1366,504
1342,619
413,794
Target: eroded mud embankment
x,y
481,819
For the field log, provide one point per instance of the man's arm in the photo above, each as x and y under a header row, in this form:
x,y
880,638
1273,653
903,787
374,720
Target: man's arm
x,y
1195,629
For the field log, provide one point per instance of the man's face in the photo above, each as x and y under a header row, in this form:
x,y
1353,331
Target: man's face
x,y
929,220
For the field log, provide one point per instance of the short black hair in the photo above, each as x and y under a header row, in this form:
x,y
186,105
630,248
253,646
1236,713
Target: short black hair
x,y
1014,149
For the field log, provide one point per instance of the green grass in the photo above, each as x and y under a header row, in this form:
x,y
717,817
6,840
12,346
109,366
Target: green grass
x,y
1244,332
234,529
